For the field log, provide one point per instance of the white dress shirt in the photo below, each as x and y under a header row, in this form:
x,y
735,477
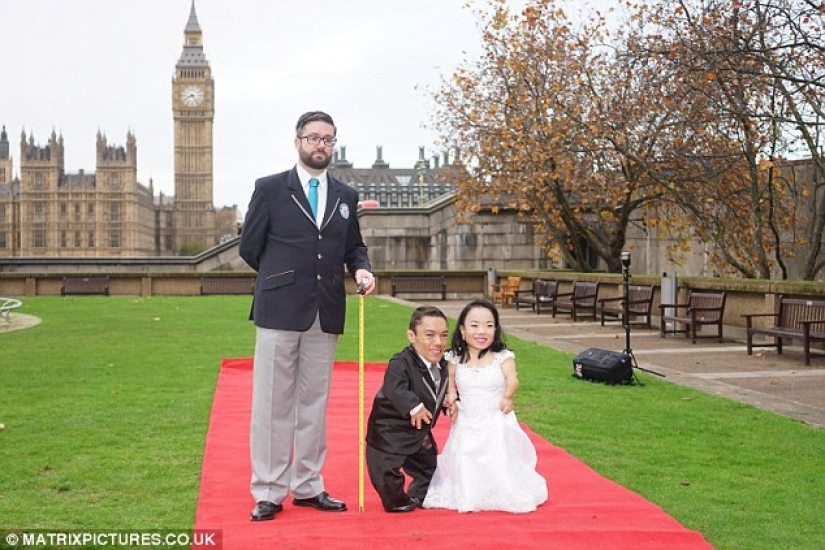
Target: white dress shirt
x,y
428,365
305,176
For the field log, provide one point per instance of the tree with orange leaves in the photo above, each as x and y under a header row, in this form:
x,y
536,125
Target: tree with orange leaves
x,y
670,118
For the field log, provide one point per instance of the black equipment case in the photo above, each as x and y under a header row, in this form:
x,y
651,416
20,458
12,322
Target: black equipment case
x,y
612,367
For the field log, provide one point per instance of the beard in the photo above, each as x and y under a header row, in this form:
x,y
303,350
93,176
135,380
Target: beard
x,y
316,159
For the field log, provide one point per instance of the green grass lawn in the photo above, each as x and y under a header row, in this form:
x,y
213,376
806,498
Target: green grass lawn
x,y
106,405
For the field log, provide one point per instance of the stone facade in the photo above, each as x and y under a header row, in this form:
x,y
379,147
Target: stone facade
x,y
193,107
68,215
382,186
429,239
9,199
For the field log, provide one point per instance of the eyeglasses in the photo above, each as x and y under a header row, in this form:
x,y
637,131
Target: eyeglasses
x,y
312,139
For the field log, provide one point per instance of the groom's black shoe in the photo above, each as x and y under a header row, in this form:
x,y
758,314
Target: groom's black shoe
x,y
265,510
419,502
409,506
322,502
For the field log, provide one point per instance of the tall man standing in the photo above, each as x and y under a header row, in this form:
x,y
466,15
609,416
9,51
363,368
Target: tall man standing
x,y
300,230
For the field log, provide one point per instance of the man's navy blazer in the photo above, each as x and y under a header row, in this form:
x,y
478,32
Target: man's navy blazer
x,y
301,267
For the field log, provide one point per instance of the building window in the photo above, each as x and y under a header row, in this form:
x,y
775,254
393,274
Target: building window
x,y
62,211
62,239
38,212
77,243
38,238
2,239
91,239
90,213
382,195
114,212
2,213
114,239
38,181
77,212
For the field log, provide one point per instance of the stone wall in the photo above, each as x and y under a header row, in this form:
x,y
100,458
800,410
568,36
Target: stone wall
x,y
428,238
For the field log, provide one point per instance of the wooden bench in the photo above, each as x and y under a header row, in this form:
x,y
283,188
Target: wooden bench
x,y
419,285
544,292
582,299
227,285
798,319
701,309
504,293
639,304
85,285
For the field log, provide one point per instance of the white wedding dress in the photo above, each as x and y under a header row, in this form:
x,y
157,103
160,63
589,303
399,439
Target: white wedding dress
x,y
488,462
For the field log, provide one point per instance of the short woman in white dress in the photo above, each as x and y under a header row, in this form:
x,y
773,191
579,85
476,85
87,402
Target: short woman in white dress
x,y
488,462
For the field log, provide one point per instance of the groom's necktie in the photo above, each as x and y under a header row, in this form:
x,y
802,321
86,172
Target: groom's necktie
x,y
312,196
436,374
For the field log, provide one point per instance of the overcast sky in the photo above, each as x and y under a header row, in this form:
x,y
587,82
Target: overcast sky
x,y
81,66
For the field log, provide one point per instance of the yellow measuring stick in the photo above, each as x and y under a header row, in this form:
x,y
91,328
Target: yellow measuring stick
x,y
360,402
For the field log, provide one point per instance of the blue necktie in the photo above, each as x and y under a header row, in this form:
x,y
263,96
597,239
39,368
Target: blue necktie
x,y
312,196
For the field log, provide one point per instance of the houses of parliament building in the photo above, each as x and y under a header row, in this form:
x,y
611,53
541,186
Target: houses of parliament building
x,y
50,213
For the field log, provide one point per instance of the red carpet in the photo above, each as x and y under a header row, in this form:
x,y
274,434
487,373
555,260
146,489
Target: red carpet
x,y
585,510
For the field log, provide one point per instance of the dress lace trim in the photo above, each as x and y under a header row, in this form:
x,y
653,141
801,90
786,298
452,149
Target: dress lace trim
x,y
498,357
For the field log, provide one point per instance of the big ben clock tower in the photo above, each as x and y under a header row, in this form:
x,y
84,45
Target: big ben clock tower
x,y
193,107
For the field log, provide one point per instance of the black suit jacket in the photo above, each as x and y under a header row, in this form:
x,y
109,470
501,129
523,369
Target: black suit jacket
x,y
407,382
300,267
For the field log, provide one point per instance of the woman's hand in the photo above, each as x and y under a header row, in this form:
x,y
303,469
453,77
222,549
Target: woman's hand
x,y
450,398
506,405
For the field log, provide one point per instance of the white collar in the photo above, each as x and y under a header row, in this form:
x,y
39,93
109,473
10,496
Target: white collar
x,y
305,176
429,364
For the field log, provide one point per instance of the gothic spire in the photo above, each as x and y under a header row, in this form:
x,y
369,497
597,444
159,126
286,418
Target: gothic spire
x,y
192,54
192,25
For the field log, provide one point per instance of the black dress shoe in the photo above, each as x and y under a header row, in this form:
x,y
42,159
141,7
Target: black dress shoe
x,y
265,510
419,502
322,502
408,507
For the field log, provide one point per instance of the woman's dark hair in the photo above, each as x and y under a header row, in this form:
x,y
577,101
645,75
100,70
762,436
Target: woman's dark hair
x,y
459,346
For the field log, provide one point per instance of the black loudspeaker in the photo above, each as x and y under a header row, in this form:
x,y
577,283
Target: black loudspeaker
x,y
599,365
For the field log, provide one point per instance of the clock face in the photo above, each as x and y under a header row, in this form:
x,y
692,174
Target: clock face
x,y
192,96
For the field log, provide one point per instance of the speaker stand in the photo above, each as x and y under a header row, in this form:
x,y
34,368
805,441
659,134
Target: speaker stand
x,y
626,321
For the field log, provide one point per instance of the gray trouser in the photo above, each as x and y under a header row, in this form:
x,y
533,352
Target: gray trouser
x,y
290,390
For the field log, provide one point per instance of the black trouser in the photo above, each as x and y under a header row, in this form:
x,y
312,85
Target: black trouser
x,y
385,474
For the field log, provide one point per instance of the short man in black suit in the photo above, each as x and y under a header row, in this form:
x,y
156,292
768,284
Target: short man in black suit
x,y
300,230
399,431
